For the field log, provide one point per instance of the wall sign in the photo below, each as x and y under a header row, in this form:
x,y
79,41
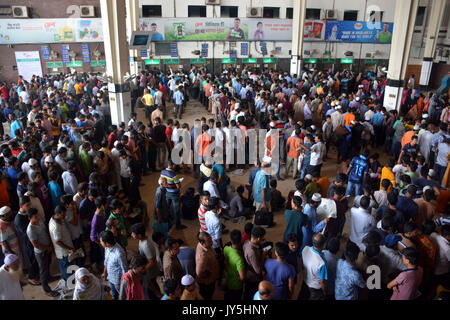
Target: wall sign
x,y
28,64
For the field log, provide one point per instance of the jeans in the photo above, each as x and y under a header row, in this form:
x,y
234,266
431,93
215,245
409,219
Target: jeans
x,y
161,153
439,171
304,170
114,290
43,259
177,110
173,200
358,188
63,265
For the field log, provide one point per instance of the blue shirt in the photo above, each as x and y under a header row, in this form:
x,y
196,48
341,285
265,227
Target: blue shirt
x,y
378,119
257,296
359,168
331,270
279,273
172,181
261,182
237,86
348,280
14,126
178,97
252,174
55,193
157,37
115,263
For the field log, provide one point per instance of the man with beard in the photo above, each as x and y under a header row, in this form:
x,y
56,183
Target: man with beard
x,y
10,274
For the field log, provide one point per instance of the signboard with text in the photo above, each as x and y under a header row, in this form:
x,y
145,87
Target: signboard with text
x,y
353,31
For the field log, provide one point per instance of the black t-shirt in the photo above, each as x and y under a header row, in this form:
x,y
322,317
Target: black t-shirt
x,y
99,130
411,150
159,133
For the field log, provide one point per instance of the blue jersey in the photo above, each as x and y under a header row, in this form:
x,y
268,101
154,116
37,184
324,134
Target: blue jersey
x,y
359,168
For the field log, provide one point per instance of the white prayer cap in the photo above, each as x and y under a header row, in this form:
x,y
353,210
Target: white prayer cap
x,y
426,188
272,124
425,115
357,99
316,197
360,86
10,259
333,104
353,122
4,210
308,177
32,162
280,105
187,280
416,128
338,107
48,159
313,127
116,143
430,173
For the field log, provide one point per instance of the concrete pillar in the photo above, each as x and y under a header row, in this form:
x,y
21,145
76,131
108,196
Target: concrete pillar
x,y
298,26
404,20
117,58
434,23
133,25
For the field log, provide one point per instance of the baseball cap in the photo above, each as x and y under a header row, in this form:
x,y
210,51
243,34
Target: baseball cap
x,y
187,280
4,210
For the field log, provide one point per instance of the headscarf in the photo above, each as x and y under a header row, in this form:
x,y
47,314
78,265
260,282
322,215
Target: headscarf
x,y
92,291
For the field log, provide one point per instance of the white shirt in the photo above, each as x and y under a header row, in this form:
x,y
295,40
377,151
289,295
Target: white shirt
x,y
62,163
213,226
311,263
60,232
361,222
158,97
36,204
390,262
25,97
9,289
176,135
70,183
441,265
316,154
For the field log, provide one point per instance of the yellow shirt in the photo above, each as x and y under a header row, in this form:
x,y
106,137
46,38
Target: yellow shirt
x,y
148,98
78,88
387,174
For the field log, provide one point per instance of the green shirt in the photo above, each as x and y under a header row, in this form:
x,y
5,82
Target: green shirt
x,y
294,222
310,189
122,227
86,163
234,262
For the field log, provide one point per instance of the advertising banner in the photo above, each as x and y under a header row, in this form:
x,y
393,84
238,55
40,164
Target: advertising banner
x,y
352,31
28,64
314,30
16,31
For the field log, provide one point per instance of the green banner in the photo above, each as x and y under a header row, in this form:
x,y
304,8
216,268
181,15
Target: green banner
x,y
152,61
229,60
249,60
55,64
328,61
270,60
28,60
198,61
171,61
99,63
75,64
346,60
371,61
310,60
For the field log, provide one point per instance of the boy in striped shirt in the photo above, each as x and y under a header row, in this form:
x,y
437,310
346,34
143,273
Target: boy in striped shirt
x,y
204,197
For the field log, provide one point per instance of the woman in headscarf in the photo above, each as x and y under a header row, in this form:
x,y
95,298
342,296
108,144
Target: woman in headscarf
x,y
88,286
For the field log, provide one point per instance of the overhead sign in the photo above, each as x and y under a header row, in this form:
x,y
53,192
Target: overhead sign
x,y
346,60
85,52
228,60
269,60
249,60
152,61
171,61
45,52
328,61
54,64
65,53
98,63
28,64
353,31
16,31
310,60
198,61
75,64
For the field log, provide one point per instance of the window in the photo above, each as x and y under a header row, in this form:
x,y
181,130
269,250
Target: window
x,y
420,16
196,11
289,13
312,13
151,11
351,15
229,11
162,48
271,12
376,16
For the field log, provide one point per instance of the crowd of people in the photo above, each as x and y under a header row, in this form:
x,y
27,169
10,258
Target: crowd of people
x,y
70,178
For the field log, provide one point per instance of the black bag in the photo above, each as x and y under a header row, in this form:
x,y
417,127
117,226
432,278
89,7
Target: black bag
x,y
263,218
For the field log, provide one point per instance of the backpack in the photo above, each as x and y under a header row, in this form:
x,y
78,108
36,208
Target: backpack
x,y
263,218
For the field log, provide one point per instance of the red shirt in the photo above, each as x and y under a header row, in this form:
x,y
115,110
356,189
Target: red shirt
x,y
169,131
113,137
4,93
163,90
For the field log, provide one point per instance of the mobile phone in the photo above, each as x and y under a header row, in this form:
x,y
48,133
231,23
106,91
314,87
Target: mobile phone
x,y
267,248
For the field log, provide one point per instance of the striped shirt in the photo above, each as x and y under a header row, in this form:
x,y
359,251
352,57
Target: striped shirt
x,y
201,218
172,180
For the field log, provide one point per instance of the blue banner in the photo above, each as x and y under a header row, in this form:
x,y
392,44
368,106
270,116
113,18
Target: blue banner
x,y
354,31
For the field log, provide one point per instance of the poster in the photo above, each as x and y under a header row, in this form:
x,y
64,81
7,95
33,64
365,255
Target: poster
x,y
16,31
203,29
314,30
28,64
351,31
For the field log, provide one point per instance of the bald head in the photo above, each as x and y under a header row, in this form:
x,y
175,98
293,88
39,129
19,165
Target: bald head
x,y
265,289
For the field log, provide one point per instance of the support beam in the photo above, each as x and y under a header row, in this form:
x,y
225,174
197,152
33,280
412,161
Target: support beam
x,y
404,21
298,26
117,58
133,25
434,24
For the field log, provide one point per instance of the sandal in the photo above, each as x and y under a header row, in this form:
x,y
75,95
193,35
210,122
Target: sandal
x,y
52,294
34,282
